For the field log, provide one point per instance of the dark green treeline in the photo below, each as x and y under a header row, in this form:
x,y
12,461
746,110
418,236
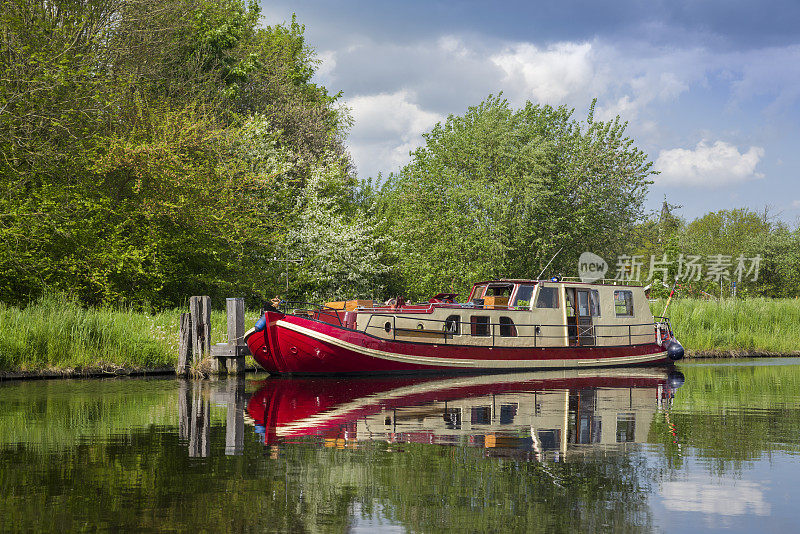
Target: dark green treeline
x,y
154,150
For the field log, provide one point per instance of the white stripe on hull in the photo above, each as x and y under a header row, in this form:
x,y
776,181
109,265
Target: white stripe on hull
x,y
468,363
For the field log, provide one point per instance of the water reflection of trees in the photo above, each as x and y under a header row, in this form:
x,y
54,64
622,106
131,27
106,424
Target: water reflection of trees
x,y
110,457
731,415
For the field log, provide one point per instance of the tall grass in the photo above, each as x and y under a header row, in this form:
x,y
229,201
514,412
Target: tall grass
x,y
735,326
56,333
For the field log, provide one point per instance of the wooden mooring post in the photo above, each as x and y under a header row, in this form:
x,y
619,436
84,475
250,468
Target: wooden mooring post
x,y
194,342
184,345
229,357
200,309
195,338
195,399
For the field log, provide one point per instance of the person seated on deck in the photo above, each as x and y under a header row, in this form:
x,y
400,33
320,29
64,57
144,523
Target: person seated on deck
x,y
396,303
273,304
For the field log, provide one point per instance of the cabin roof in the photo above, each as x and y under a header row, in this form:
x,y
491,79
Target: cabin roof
x,y
564,280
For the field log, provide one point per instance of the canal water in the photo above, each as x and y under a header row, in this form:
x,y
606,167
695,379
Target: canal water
x,y
708,446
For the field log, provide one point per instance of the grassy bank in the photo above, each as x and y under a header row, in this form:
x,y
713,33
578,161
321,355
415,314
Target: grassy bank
x,y
55,333
735,327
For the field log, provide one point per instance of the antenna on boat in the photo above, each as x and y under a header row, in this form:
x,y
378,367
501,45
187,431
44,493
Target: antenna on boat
x,y
669,300
549,262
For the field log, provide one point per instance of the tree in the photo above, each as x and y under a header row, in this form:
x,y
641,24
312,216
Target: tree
x,y
340,253
497,192
150,150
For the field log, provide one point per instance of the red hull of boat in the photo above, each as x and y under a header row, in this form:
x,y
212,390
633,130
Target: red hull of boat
x,y
296,345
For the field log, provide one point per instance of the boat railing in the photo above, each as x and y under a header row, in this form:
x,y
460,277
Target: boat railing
x,y
444,331
299,307
603,281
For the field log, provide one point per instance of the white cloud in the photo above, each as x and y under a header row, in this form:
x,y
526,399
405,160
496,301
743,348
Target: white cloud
x,y
453,45
796,204
725,497
403,90
327,63
399,89
387,126
708,165
547,75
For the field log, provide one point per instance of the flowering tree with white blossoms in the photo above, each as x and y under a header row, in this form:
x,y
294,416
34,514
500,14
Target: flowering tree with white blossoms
x,y
337,249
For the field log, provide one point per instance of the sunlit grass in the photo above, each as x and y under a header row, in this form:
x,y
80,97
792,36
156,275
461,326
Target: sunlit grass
x,y
56,333
735,326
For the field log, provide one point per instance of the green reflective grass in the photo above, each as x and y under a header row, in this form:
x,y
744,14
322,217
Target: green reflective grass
x,y
747,326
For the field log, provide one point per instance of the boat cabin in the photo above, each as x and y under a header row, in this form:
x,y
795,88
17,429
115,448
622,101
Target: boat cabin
x,y
515,313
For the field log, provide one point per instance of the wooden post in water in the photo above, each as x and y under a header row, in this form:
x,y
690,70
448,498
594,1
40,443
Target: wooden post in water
x,y
184,345
200,310
229,357
200,421
234,427
184,409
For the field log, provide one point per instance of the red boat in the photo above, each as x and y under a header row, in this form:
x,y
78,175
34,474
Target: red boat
x,y
504,325
547,409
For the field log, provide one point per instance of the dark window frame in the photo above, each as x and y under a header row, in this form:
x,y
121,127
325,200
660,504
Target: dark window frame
x,y
479,324
507,327
626,303
453,321
556,300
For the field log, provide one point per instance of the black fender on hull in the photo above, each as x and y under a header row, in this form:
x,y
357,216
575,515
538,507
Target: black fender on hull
x,y
674,350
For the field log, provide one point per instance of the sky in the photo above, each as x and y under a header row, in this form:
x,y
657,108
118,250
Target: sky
x,y
710,88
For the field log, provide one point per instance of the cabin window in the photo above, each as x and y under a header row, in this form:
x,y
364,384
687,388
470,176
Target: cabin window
x,y
626,427
583,304
594,303
549,439
477,292
481,415
452,418
548,297
452,325
507,328
503,290
479,325
570,305
623,303
524,297
507,413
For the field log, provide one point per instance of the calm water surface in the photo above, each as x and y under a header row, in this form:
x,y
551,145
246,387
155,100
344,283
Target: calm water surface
x,y
614,450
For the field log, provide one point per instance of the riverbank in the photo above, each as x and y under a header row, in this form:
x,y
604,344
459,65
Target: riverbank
x,y
735,327
55,337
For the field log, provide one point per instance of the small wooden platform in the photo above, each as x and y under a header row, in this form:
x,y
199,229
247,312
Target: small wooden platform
x,y
229,357
195,338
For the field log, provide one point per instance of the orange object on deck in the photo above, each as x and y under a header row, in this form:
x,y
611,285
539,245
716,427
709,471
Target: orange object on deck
x,y
349,305
495,302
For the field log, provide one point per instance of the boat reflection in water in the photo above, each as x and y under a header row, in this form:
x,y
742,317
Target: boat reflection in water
x,y
537,415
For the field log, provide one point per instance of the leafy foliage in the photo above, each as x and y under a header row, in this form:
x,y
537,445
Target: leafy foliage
x,y
498,191
154,150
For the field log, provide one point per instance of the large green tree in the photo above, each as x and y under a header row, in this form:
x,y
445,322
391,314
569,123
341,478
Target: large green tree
x,y
153,150
497,191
